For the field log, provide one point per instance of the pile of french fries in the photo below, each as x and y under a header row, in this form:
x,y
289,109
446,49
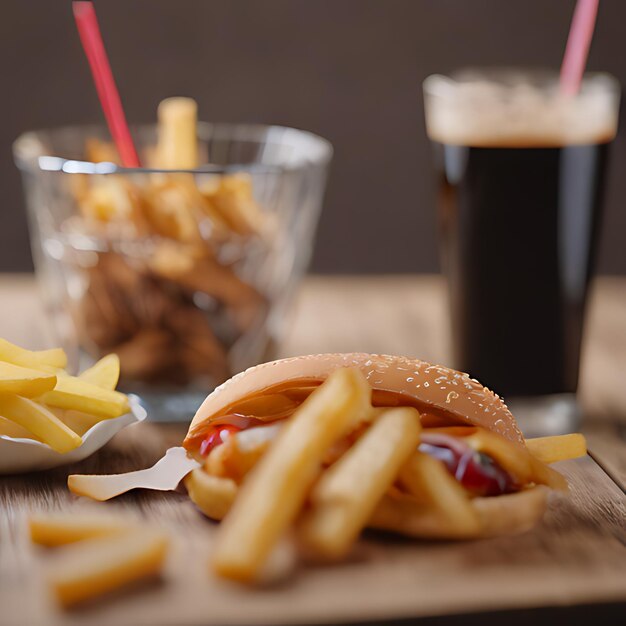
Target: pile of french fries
x,y
165,291
39,400
314,481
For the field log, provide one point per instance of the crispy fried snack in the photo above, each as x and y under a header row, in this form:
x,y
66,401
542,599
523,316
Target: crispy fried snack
x,y
174,307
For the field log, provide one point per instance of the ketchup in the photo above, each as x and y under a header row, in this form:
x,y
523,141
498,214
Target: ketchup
x,y
216,437
476,471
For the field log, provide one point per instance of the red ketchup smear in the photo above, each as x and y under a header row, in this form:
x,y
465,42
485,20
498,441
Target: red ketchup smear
x,y
216,437
476,471
211,435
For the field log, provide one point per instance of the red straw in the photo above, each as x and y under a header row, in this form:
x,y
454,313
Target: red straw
x,y
577,49
90,36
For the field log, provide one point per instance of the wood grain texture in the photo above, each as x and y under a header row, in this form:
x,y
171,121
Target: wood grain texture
x,y
576,556
606,441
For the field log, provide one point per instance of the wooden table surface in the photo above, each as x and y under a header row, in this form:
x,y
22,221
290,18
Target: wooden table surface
x,y
575,558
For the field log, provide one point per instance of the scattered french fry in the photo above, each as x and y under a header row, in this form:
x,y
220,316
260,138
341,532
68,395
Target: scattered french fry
x,y
25,381
76,394
558,448
11,353
272,495
429,482
213,495
40,421
91,568
347,493
105,373
178,143
58,529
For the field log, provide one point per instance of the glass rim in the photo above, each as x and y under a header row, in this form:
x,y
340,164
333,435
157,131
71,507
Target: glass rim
x,y
429,84
28,159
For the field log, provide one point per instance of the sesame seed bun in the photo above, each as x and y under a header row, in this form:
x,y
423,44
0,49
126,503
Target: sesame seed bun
x,y
431,388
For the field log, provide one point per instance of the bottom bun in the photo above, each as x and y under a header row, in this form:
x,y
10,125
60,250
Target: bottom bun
x,y
508,514
499,515
512,513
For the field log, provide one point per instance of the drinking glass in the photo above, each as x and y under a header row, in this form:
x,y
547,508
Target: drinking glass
x,y
204,290
521,172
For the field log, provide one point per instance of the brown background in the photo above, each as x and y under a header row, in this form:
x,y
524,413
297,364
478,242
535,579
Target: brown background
x,y
349,70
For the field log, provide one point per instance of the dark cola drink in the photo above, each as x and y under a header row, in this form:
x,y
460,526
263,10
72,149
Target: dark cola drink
x,y
521,179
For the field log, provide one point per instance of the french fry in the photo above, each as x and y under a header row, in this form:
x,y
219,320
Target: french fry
x,y
40,421
91,568
24,381
59,529
214,463
178,138
108,199
220,230
273,494
98,151
516,460
234,200
213,495
428,481
559,448
241,452
79,422
11,429
170,212
347,493
11,353
75,394
105,373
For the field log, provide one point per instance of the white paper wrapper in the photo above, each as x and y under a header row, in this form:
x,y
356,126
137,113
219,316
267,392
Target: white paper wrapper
x,y
27,455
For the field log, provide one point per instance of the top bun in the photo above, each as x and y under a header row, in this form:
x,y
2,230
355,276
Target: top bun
x,y
432,387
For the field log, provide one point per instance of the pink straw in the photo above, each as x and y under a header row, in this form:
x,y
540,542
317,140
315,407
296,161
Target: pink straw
x,y
90,36
577,49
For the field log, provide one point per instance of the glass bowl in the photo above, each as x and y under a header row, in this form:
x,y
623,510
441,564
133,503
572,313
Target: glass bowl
x,y
188,275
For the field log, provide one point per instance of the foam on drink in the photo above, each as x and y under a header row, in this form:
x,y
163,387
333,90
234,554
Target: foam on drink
x,y
509,108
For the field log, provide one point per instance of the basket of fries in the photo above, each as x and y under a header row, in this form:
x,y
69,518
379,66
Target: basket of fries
x,y
185,267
